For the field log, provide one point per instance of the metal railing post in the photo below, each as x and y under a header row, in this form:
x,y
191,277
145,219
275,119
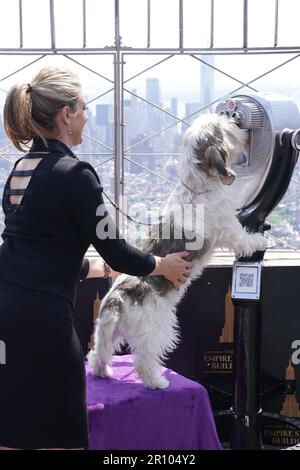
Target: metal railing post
x,y
118,115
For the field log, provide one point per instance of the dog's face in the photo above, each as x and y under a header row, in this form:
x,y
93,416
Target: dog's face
x,y
213,143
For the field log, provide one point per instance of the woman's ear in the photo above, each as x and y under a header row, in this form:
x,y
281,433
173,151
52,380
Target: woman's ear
x,y
64,115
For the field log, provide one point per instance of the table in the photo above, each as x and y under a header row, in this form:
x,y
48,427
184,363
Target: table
x,y
123,415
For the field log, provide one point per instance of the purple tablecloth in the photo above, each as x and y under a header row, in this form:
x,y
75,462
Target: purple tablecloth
x,y
123,415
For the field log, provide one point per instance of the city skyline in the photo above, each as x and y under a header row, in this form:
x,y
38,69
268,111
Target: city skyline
x,y
142,119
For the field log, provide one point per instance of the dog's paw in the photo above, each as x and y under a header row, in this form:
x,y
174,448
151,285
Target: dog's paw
x,y
261,243
93,361
105,372
97,369
157,382
254,242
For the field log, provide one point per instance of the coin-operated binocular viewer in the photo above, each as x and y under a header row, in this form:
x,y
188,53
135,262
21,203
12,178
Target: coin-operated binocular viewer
x,y
272,124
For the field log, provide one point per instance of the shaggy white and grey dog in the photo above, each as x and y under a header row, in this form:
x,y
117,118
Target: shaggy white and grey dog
x,y
142,310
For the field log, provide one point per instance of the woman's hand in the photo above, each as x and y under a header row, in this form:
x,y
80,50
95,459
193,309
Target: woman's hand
x,y
174,268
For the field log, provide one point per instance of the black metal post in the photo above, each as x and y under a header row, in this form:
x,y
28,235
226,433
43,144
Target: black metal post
x,y
247,407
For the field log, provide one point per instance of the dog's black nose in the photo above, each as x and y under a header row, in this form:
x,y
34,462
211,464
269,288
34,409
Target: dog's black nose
x,y
229,178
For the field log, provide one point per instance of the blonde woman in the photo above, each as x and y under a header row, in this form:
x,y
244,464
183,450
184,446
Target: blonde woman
x,y
50,201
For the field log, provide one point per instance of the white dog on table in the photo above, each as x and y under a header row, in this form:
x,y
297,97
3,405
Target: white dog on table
x,y
142,310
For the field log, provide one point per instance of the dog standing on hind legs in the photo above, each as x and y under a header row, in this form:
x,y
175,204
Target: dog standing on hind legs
x,y
142,310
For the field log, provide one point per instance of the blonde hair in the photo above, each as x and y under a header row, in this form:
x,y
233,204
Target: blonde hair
x,y
30,109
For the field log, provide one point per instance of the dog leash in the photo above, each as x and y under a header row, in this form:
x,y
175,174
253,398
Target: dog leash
x,y
118,208
192,191
124,213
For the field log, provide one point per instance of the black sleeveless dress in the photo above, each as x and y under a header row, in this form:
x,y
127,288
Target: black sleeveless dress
x,y
42,376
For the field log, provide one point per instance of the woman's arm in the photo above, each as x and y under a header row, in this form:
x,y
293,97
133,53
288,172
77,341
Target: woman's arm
x,y
84,202
96,267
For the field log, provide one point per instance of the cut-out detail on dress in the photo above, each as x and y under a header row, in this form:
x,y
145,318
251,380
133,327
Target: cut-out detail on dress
x,y
23,173
21,177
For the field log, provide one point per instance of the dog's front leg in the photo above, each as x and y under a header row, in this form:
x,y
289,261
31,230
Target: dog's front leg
x,y
238,239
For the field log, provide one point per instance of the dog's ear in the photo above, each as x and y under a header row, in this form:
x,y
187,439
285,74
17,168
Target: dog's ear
x,y
215,162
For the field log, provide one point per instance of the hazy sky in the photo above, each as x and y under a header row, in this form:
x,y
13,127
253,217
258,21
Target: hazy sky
x,y
179,76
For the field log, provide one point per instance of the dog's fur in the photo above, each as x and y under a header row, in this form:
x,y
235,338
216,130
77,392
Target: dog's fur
x,y
141,310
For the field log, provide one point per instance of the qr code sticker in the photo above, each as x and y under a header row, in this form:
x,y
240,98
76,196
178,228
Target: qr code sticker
x,y
246,280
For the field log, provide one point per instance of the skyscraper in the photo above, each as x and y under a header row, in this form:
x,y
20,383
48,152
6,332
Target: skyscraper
x,y
154,115
191,113
2,135
174,107
152,90
102,114
207,81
